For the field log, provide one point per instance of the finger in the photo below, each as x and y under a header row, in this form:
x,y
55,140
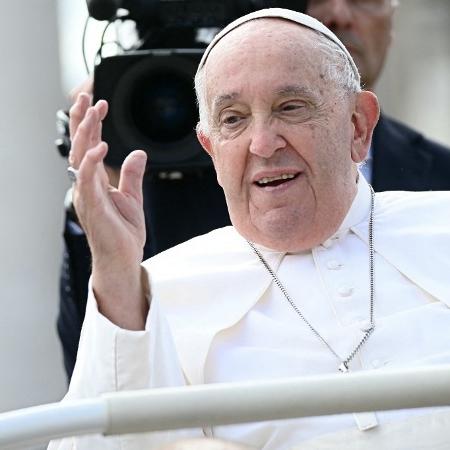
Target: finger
x,y
132,174
102,109
91,182
83,139
97,136
78,111
92,167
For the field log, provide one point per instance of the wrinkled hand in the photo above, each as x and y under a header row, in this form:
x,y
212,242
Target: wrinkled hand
x,y
112,218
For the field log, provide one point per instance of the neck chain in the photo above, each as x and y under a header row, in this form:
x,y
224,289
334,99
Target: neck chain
x,y
343,363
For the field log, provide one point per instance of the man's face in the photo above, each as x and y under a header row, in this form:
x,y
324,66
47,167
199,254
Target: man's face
x,y
363,26
281,135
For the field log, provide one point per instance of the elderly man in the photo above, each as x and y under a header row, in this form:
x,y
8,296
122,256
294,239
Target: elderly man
x,y
400,158
316,275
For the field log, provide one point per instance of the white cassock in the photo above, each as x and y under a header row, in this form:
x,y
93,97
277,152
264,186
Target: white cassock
x,y
216,316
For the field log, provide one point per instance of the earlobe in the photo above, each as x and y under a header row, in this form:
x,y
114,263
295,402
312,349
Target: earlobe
x,y
364,118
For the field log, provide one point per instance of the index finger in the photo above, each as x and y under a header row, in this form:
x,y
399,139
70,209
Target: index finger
x,y
77,112
82,141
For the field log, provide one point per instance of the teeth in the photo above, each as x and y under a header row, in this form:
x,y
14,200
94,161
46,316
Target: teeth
x,y
284,176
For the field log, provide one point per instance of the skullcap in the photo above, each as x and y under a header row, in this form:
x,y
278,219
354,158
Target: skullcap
x,y
280,13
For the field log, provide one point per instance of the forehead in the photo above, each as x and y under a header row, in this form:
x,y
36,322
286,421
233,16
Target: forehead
x,y
264,35
276,52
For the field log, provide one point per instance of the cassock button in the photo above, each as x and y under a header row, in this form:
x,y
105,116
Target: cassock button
x,y
345,291
334,265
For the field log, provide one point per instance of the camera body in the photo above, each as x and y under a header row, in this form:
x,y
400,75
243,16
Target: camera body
x,y
151,90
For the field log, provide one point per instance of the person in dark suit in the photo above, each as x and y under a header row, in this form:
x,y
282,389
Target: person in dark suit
x,y
404,160
400,157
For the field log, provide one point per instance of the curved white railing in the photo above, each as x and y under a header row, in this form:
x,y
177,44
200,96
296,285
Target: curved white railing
x,y
220,404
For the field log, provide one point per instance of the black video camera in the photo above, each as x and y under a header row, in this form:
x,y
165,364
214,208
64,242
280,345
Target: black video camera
x,y
150,91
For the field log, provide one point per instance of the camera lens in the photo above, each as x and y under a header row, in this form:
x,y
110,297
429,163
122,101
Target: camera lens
x,y
152,106
163,107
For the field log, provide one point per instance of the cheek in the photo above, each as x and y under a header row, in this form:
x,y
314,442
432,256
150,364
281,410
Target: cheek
x,y
329,147
316,142
230,165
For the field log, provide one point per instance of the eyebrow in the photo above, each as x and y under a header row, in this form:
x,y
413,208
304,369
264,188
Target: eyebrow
x,y
294,89
223,99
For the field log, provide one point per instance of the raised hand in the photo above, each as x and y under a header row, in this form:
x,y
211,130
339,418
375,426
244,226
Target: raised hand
x,y
112,218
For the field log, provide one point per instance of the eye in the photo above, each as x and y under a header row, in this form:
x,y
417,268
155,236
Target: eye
x,y
292,106
231,119
295,110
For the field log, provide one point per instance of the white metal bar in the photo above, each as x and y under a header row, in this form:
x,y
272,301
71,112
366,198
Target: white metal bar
x,y
220,404
39,424
209,405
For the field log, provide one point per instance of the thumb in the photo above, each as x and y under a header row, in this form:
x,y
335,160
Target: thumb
x,y
132,174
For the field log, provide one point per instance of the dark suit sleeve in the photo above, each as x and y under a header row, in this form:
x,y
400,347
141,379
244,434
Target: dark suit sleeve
x,y
74,276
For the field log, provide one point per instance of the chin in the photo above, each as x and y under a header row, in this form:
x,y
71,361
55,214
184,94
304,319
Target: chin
x,y
277,235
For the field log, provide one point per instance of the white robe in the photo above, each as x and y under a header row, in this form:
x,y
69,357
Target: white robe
x,y
207,285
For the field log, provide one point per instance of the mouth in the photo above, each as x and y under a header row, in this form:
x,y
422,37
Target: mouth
x,y
276,180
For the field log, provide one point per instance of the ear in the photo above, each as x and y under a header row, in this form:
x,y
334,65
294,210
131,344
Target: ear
x,y
364,118
205,142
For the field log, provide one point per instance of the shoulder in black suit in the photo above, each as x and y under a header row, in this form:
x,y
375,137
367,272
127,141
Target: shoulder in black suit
x,y
404,159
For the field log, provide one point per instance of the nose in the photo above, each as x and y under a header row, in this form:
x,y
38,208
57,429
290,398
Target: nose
x,y
266,139
334,14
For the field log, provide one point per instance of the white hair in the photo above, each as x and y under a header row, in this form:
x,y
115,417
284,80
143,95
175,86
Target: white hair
x,y
339,69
